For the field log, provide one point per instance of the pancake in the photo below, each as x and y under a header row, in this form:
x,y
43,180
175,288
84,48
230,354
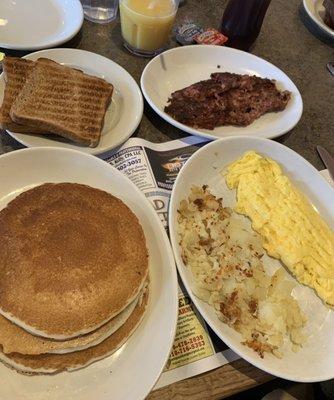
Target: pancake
x,y
53,363
71,258
14,339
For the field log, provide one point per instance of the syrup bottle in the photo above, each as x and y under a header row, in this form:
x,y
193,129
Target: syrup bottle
x,y
242,21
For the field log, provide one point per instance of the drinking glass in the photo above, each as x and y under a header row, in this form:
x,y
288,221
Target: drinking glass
x,y
146,24
100,11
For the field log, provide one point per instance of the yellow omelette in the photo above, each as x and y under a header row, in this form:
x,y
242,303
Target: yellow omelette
x,y
292,229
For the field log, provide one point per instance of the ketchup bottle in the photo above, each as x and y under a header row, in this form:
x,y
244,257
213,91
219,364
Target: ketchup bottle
x,y
242,21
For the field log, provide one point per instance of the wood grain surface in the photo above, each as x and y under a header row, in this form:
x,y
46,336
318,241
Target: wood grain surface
x,y
217,384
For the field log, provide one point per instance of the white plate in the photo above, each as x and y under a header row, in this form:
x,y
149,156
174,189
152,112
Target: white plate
x,y
37,24
133,370
123,115
183,66
314,362
316,11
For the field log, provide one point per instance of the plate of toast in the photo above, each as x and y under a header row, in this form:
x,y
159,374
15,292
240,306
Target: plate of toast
x,y
68,98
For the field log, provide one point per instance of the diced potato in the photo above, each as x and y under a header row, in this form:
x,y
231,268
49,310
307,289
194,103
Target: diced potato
x,y
225,257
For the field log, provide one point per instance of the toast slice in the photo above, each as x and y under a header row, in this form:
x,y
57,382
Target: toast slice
x,y
63,101
15,71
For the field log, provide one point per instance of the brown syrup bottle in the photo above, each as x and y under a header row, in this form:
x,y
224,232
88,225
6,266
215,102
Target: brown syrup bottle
x,y
242,21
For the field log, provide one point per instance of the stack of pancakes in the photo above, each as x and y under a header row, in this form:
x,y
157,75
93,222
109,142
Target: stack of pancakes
x,y
74,277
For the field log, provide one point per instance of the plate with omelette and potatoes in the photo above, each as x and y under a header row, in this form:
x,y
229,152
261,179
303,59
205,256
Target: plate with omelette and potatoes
x,y
252,229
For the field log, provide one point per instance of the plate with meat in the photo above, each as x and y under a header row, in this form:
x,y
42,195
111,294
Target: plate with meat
x,y
215,92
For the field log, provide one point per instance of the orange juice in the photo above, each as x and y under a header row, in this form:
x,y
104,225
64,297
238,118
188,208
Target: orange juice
x,y
146,24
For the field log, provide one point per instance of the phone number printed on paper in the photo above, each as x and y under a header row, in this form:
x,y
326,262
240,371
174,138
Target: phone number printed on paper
x,y
192,342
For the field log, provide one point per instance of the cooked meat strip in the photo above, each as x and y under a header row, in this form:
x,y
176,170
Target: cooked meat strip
x,y
237,81
226,99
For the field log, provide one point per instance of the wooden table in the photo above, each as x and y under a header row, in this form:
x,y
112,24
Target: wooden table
x,y
214,385
284,41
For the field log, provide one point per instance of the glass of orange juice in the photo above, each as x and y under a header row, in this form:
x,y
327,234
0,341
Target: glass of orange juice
x,y
146,24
